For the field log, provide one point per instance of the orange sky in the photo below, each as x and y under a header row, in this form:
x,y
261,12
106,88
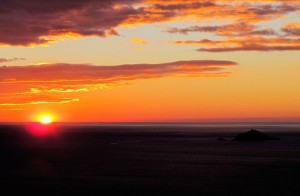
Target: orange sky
x,y
148,60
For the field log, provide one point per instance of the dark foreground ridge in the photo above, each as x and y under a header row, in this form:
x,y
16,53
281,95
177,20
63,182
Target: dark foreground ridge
x,y
253,135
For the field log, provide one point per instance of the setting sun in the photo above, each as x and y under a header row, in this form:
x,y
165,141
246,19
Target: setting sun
x,y
46,120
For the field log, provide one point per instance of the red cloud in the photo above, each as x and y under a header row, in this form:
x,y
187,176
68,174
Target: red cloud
x,y
245,44
83,72
37,22
28,85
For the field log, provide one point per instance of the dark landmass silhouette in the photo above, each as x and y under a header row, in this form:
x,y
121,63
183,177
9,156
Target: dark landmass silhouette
x,y
253,135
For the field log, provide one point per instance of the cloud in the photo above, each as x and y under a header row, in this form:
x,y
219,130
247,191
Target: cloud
x,y
245,31
48,101
14,101
4,60
76,73
80,78
245,44
250,48
248,10
238,29
292,29
32,22
33,84
12,109
138,41
182,6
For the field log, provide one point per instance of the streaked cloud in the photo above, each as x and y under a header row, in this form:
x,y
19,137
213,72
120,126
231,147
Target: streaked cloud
x,y
91,74
245,44
33,84
247,33
58,90
247,30
138,41
5,60
31,22
12,109
38,102
239,29
248,10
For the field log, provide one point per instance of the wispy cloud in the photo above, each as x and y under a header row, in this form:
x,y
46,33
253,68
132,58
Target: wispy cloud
x,y
138,41
245,31
5,60
14,103
92,74
33,84
246,44
12,109
238,29
53,101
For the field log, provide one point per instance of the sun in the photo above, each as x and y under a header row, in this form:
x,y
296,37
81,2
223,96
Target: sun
x,y
46,120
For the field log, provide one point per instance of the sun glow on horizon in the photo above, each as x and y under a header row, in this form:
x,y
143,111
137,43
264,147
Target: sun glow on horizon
x,y
46,120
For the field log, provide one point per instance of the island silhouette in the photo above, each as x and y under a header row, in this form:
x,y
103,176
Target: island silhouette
x,y
253,135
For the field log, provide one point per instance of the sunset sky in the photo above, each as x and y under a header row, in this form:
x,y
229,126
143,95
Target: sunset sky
x,y
150,60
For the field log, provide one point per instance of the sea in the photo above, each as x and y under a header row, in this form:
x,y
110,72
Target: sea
x,y
149,159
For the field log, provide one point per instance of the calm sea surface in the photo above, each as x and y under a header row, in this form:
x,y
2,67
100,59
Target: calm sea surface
x,y
150,159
